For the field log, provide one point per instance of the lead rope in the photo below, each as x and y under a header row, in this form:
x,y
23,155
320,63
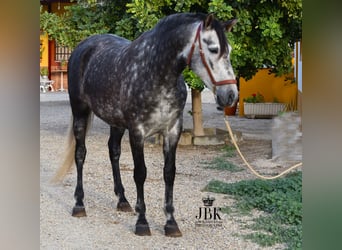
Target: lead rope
x,y
246,162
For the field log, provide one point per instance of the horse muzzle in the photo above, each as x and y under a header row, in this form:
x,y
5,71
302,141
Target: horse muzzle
x,y
228,99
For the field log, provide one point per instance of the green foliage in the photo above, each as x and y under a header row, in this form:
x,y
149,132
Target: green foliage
x,y
51,24
126,28
147,13
265,35
226,210
114,12
77,23
193,80
44,71
228,151
280,198
276,232
221,9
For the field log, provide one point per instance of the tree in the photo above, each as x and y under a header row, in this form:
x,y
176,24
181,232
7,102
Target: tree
x,y
265,34
75,24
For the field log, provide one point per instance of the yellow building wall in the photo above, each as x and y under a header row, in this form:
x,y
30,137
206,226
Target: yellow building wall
x,y
44,50
270,87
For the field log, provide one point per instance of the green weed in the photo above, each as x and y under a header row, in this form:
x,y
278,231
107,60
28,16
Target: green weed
x,y
228,151
281,199
223,164
226,210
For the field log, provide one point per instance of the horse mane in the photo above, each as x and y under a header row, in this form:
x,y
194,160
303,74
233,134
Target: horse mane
x,y
166,24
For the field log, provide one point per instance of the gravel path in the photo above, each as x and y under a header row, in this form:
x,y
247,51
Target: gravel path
x,y
106,228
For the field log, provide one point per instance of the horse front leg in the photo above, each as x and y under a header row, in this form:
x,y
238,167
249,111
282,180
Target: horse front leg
x,y
169,149
137,146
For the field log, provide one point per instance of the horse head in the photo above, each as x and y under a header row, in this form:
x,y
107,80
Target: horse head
x,y
209,58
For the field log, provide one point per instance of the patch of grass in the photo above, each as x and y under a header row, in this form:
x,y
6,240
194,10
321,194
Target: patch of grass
x,y
280,198
269,231
226,210
228,151
223,164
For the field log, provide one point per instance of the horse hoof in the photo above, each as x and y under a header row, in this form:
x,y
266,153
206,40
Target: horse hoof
x,y
78,211
172,230
142,230
124,207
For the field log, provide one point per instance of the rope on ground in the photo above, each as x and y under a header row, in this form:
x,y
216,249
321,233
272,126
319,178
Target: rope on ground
x,y
246,162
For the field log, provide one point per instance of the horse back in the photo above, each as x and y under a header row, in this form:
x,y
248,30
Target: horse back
x,y
83,57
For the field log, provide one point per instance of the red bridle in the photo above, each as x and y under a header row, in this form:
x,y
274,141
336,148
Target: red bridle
x,y
198,37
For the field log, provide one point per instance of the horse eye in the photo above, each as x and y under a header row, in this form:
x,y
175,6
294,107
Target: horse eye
x,y
213,50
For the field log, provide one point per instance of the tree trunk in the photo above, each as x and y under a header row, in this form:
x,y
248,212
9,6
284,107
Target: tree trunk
x,y
197,112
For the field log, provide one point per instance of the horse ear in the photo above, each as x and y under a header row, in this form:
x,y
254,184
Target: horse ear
x,y
208,21
229,24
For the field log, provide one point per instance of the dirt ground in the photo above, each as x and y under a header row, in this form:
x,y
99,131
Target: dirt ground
x,y
106,228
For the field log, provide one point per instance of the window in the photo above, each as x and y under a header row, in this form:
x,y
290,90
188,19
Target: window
x,y
62,53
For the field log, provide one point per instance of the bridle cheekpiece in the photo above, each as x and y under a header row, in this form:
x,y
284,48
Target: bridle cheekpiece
x,y
212,78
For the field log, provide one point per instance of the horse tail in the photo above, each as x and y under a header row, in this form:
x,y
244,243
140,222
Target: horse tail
x,y
69,154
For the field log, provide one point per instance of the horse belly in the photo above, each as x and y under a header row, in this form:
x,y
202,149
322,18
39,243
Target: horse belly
x,y
109,113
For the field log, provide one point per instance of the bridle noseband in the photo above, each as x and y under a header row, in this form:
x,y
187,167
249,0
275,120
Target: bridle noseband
x,y
198,37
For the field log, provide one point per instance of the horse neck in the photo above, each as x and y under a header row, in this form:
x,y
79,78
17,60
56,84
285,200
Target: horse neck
x,y
166,49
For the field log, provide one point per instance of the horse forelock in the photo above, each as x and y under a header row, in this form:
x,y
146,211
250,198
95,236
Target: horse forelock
x,y
216,25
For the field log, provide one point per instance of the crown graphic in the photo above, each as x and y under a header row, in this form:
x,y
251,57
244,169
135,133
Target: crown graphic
x,y
208,201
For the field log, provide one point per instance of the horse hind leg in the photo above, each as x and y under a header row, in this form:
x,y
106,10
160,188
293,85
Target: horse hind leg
x,y
114,146
80,124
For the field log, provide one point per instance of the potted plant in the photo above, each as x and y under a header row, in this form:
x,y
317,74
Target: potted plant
x,y
231,110
64,65
44,72
256,107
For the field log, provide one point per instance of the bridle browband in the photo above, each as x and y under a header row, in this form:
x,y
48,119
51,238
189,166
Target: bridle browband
x,y
198,37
